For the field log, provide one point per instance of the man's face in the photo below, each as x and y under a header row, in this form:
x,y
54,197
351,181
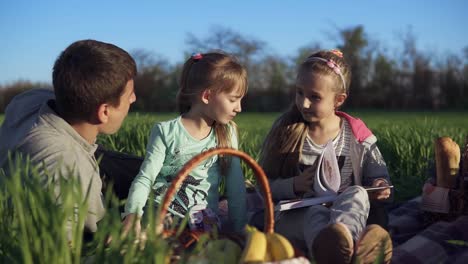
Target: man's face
x,y
118,113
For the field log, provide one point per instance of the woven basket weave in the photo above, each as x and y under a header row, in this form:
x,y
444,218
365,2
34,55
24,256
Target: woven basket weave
x,y
196,160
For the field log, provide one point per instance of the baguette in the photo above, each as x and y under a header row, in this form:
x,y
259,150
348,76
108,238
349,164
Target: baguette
x,y
447,156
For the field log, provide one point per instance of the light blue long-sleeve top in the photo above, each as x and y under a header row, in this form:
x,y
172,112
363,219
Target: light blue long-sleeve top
x,y
170,146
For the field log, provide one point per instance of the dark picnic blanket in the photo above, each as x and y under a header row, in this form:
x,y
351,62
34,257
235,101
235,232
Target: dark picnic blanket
x,y
416,240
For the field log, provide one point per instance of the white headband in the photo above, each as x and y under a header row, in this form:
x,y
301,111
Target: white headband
x,y
330,63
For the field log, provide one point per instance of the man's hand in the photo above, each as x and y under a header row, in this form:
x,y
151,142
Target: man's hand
x,y
304,181
381,194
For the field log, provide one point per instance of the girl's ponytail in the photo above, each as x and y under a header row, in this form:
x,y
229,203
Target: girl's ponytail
x,y
223,137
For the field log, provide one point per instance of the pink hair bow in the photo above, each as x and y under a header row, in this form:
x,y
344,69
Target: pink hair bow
x,y
332,64
197,56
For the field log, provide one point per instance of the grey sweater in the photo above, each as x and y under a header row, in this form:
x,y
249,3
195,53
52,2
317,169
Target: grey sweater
x,y
33,128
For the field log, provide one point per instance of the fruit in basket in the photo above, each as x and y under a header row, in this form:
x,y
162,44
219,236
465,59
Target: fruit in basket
x,y
256,246
224,250
218,251
279,247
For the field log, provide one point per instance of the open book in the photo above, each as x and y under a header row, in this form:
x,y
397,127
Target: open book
x,y
327,182
298,203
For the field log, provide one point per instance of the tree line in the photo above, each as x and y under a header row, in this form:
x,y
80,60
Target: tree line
x,y
405,78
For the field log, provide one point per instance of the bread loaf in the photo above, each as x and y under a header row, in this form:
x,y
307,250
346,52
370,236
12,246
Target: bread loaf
x,y
447,156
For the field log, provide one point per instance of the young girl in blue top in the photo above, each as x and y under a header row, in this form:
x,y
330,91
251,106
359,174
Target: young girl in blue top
x,y
211,88
335,233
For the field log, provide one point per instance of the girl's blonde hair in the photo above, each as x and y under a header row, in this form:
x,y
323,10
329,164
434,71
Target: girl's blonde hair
x,y
219,73
282,147
329,63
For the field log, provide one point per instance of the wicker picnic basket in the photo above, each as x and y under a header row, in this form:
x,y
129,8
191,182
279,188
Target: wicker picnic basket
x,y
196,160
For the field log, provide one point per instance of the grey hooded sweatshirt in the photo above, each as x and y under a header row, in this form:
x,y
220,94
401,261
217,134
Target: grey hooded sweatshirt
x,y
32,127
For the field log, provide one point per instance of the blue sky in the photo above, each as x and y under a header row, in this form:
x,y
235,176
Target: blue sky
x,y
35,32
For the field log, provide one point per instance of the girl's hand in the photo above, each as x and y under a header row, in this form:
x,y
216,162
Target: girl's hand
x,y
304,181
129,221
382,194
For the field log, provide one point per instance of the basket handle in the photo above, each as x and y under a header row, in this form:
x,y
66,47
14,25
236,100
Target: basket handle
x,y
192,163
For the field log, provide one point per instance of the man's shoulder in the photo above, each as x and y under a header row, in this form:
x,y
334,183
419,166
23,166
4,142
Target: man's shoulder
x,y
55,150
49,131
44,139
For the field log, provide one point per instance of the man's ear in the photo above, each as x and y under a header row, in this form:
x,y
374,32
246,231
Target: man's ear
x,y
206,96
340,99
103,113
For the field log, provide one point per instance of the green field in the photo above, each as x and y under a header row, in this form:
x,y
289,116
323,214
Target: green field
x,y
404,138
33,224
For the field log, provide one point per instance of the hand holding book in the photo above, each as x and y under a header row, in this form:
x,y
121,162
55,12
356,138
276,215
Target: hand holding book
x,y
382,193
323,181
304,181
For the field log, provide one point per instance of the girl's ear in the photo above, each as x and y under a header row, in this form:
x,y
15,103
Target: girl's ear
x,y
206,96
340,99
103,113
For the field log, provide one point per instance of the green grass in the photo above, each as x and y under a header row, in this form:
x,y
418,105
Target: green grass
x,y
32,224
404,138
406,141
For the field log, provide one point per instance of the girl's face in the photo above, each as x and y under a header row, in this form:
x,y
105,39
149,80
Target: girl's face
x,y
222,107
315,97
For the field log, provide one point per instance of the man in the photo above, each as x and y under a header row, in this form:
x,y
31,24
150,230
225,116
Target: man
x,y
93,90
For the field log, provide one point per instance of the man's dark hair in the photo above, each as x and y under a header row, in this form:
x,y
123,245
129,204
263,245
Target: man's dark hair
x,y
89,73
